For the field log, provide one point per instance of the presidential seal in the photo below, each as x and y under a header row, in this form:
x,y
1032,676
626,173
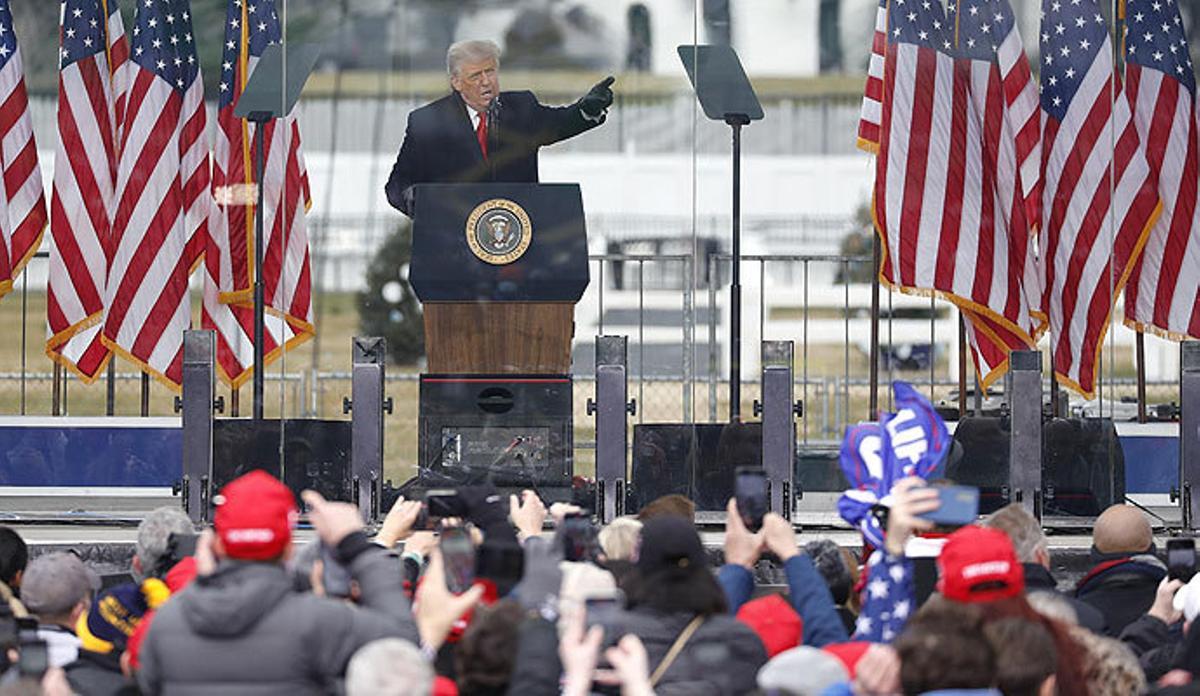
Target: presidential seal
x,y
498,231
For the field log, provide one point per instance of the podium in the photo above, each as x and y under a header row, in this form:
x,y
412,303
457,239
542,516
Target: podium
x,y
498,269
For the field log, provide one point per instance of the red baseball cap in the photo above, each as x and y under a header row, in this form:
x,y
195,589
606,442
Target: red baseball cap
x,y
254,518
776,623
849,653
979,565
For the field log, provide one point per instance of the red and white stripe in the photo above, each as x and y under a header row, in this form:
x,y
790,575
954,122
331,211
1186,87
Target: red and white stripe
x,y
23,214
1093,225
871,115
82,203
1006,275
1163,294
233,325
163,206
947,195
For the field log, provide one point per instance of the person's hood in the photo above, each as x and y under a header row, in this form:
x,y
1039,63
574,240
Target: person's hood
x,y
1133,568
232,600
1098,556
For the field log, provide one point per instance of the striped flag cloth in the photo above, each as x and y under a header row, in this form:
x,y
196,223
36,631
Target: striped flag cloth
x,y
249,29
91,96
1004,97
872,104
22,195
162,193
1163,294
1098,199
947,195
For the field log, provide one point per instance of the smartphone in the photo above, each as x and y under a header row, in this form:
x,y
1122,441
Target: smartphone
x,y
8,632
957,506
441,503
34,659
1181,559
458,559
335,577
27,628
602,610
750,490
580,538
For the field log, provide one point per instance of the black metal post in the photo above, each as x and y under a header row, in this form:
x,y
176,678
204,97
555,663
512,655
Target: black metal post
x,y
145,394
24,317
110,392
56,391
873,368
259,119
735,289
962,366
1141,376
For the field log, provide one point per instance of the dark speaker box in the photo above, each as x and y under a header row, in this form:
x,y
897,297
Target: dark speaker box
x,y
512,430
1083,465
316,453
696,460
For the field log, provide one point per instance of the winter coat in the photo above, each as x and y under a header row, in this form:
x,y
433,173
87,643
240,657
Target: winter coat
x,y
242,630
722,657
1038,579
99,674
537,670
1122,588
1158,647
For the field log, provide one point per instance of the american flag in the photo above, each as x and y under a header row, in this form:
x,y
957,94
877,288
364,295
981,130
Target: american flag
x,y
91,96
250,27
1163,294
1002,92
1094,225
163,197
947,192
22,196
872,104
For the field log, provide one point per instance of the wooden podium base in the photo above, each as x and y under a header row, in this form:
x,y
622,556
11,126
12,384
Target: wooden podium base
x,y
499,337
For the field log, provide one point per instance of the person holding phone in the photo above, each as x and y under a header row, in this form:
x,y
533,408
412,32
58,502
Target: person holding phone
x,y
239,627
808,593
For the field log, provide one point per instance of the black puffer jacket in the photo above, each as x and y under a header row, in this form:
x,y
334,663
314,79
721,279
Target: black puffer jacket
x,y
1158,646
1122,588
722,657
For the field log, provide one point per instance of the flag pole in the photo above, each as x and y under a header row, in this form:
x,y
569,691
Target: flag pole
x,y
962,366
1141,376
876,253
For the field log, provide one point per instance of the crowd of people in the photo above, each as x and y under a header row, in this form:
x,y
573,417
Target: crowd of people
x,y
506,599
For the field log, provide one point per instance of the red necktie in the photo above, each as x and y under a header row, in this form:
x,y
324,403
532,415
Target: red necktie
x,y
481,135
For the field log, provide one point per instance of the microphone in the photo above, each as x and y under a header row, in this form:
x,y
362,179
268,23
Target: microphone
x,y
493,126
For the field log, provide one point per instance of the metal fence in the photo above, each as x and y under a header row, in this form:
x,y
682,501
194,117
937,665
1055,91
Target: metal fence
x,y
674,312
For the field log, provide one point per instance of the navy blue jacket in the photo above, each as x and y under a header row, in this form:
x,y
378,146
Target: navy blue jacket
x,y
440,146
807,591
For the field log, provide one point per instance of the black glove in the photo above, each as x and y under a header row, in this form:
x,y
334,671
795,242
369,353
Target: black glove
x,y
598,98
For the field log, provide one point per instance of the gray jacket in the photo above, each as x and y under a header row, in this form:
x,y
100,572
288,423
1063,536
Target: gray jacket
x,y
721,658
242,630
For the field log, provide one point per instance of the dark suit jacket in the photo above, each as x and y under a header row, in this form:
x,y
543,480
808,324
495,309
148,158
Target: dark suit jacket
x,y
440,145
